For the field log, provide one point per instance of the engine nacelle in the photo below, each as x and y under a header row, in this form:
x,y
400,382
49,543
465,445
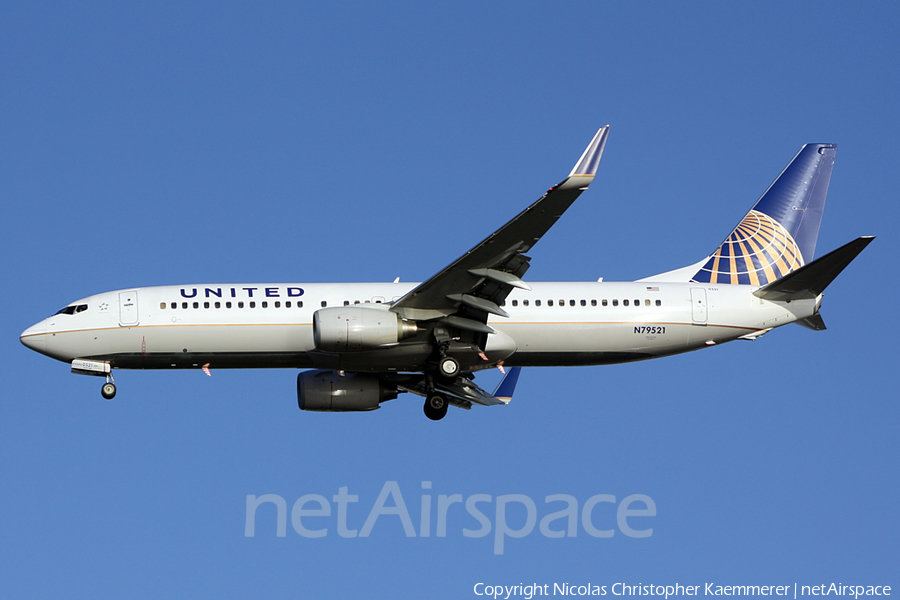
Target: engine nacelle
x,y
328,391
357,328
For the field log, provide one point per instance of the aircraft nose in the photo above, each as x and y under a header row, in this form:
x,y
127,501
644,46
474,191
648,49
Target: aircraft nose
x,y
35,337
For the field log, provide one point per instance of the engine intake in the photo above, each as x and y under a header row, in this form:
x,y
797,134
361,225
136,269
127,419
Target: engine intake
x,y
357,328
329,392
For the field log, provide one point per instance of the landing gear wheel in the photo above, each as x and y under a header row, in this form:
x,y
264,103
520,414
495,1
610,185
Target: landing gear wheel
x,y
448,367
436,407
108,391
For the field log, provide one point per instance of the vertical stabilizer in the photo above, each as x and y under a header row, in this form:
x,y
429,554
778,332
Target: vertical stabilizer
x,y
779,233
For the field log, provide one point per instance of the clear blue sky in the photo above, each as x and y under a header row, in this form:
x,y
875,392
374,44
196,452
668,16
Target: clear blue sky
x,y
358,141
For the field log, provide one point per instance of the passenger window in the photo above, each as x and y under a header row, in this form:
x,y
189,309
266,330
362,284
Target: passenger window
x,y
549,302
584,302
514,303
241,304
196,305
615,302
265,304
218,305
252,304
637,302
659,302
524,302
299,303
346,303
603,302
562,302
228,305
184,305
537,302
277,304
174,305
571,303
206,305
324,304
624,302
162,305
356,302
594,302
287,304
646,303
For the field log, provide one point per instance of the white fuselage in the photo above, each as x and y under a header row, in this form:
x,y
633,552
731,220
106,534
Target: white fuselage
x,y
270,325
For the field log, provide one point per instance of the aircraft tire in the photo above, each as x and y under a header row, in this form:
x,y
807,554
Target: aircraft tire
x,y
108,391
448,367
436,407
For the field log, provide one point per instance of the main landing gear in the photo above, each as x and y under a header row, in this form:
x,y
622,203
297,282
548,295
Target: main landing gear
x,y
448,367
436,406
108,390
447,371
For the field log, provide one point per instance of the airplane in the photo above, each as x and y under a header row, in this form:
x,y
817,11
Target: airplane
x,y
365,343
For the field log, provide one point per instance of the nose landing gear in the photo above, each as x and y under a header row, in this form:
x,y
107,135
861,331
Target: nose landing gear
x,y
108,390
83,366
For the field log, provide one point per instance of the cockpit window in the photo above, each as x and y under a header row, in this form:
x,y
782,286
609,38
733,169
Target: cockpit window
x,y
72,309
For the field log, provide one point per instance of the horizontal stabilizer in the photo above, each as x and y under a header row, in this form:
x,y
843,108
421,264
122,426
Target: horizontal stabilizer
x,y
811,280
814,322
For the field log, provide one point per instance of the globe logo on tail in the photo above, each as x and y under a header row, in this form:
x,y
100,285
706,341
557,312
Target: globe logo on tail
x,y
758,251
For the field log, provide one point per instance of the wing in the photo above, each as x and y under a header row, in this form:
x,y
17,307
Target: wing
x,y
462,295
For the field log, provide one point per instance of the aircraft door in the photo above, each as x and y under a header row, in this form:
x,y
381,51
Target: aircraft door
x,y
698,306
128,308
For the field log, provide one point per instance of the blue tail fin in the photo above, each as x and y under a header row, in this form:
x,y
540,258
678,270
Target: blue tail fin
x,y
779,233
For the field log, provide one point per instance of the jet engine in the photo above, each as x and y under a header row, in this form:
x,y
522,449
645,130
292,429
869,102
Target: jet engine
x,y
328,391
357,328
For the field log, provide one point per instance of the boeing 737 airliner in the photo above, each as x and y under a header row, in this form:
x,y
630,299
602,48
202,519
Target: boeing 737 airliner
x,y
367,342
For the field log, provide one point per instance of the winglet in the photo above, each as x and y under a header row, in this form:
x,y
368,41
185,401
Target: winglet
x,y
590,160
507,386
